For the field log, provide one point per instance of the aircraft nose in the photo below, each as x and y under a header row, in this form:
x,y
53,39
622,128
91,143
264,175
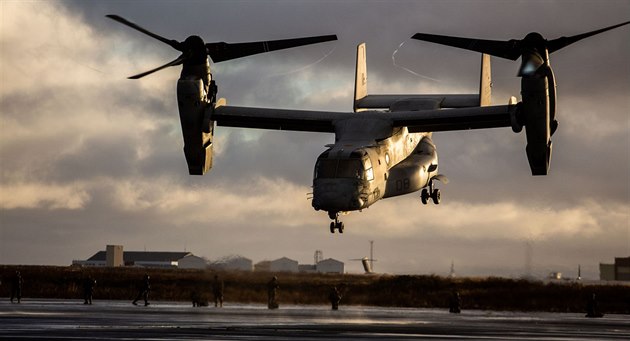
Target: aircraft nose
x,y
336,195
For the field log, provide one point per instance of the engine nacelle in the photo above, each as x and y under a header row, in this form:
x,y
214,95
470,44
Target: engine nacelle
x,y
197,131
535,109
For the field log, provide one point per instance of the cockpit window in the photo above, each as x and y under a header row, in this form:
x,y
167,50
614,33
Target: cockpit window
x,y
326,168
339,168
350,168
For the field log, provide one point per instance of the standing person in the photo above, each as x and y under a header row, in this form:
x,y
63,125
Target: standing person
x,y
272,290
143,291
591,307
334,297
16,287
88,289
217,290
195,297
455,303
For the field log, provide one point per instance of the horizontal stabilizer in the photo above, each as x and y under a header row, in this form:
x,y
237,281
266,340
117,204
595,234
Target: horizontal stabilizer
x,y
447,101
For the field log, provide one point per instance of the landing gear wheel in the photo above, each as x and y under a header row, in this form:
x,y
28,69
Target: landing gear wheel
x,y
424,196
436,196
335,225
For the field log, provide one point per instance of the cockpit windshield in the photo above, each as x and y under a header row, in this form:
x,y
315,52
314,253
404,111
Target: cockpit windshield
x,y
339,168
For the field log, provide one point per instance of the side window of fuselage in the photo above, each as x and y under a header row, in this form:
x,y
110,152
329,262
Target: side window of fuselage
x,y
369,172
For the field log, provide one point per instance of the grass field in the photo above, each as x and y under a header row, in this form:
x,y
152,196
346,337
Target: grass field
x,y
375,290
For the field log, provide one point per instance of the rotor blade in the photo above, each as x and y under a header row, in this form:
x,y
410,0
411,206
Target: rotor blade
x,y
220,52
173,43
557,44
177,61
503,49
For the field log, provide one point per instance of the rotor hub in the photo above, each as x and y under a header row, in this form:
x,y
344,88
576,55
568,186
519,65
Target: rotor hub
x,y
194,49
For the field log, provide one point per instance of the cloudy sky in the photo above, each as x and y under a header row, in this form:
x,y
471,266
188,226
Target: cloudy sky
x,y
90,158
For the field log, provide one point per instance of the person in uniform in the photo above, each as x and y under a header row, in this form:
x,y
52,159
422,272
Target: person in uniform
x,y
272,290
217,291
16,287
143,291
455,303
195,297
335,297
591,307
88,289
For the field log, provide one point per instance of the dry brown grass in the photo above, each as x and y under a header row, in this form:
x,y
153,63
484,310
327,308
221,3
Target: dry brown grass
x,y
378,290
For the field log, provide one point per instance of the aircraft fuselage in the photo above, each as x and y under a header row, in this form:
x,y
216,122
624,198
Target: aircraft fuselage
x,y
370,161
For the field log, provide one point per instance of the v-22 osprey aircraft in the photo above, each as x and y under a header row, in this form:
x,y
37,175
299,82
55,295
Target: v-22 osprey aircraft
x,y
383,148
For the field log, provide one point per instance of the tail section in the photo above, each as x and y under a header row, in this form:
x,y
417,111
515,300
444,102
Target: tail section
x,y
363,101
360,77
485,81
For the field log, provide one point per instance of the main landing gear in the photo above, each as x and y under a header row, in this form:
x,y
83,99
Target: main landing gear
x,y
431,193
335,225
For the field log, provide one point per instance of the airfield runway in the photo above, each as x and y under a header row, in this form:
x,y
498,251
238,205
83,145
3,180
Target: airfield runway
x,y
105,320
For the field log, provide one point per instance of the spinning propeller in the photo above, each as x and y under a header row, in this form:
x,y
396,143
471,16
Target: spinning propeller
x,y
534,49
195,51
537,110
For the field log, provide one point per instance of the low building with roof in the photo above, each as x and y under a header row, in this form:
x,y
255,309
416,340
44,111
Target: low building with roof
x,y
283,264
263,266
330,266
149,259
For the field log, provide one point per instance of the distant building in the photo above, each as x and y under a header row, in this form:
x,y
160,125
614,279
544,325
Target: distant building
x,y
622,269
114,255
237,263
555,275
147,259
307,268
606,272
619,271
191,261
283,264
263,266
330,266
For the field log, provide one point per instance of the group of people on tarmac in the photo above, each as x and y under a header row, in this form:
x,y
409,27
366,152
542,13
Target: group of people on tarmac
x,y
218,286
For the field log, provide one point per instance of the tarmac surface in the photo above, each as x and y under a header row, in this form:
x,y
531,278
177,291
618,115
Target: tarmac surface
x,y
115,320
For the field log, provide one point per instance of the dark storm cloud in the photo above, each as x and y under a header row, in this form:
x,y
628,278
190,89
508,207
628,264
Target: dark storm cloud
x,y
116,143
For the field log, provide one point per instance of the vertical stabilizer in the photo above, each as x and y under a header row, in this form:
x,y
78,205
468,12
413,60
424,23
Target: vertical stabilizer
x,y
360,76
485,82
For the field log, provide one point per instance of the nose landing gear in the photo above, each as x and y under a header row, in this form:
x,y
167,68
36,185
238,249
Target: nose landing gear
x,y
335,225
432,193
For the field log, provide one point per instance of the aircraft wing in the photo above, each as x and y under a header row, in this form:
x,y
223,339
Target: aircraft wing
x,y
454,119
324,121
278,119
